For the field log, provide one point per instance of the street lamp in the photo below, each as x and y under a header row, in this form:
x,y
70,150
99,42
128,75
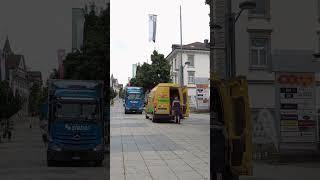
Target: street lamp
x,y
230,35
187,63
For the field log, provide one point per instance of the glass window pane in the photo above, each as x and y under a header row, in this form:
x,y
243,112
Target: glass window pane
x,y
191,77
260,8
254,57
191,60
263,57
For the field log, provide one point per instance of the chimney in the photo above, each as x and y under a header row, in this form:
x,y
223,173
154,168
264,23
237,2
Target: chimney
x,y
174,46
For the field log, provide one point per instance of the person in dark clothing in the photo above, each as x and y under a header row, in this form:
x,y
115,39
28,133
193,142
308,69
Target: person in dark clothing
x,y
176,109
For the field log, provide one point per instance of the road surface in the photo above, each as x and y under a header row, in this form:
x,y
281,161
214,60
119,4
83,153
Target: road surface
x,y
141,149
24,158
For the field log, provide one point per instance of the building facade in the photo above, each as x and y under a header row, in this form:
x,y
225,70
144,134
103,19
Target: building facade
x,y
195,74
77,28
273,29
61,53
15,72
34,77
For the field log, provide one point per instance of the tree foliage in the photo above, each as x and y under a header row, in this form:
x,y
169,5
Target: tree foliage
x,y
9,103
121,93
113,93
149,75
92,62
35,98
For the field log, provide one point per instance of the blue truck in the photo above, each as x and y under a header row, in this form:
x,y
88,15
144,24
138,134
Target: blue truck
x,y
133,100
77,125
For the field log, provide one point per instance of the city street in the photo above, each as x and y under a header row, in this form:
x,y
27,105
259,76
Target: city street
x,y
142,150
25,158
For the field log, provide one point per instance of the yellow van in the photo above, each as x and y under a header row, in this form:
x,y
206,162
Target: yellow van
x,y
160,99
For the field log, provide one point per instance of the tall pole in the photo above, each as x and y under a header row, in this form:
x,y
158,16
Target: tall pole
x,y
181,65
228,40
232,47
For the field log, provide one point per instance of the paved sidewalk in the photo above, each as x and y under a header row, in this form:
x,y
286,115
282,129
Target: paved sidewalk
x,y
141,149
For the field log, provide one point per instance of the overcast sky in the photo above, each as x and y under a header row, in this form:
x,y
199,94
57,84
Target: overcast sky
x,y
37,28
129,30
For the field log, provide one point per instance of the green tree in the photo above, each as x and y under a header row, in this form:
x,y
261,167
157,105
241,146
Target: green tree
x,y
54,74
35,98
9,103
92,62
149,75
121,93
160,68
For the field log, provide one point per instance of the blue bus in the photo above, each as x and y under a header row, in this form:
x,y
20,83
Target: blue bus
x,y
133,100
76,122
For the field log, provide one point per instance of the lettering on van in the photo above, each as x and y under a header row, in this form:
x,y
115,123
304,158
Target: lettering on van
x,y
77,127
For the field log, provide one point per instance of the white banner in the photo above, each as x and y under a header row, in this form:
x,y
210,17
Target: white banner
x,y
152,27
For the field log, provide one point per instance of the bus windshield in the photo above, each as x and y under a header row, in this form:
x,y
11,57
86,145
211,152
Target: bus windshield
x,y
88,111
134,96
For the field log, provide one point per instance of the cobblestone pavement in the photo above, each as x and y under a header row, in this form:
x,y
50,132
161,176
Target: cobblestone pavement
x,y
141,149
24,158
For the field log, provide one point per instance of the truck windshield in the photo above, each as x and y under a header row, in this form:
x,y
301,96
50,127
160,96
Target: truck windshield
x,y
84,110
134,96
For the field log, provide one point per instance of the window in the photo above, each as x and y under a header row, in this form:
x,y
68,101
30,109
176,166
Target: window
x,y
262,9
175,63
191,77
134,96
259,53
89,111
191,60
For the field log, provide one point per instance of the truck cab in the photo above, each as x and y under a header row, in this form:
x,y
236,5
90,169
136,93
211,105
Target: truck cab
x,y
76,121
134,100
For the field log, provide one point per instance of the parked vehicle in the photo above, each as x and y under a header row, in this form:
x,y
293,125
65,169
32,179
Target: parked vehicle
x,y
77,121
160,101
133,100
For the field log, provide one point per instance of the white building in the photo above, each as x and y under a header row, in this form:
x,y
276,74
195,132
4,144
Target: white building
x,y
261,32
196,73
286,29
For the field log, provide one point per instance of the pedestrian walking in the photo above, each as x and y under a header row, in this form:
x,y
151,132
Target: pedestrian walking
x,y
176,109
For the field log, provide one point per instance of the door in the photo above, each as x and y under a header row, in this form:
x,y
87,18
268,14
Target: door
x,y
185,103
162,101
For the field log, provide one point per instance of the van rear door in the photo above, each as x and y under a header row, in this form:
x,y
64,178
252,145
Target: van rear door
x,y
186,108
163,101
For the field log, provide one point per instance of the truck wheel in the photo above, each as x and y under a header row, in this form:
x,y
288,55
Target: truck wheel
x,y
229,175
